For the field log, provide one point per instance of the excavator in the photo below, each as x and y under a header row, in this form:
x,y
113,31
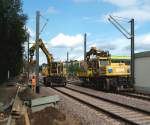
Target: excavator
x,y
101,73
55,72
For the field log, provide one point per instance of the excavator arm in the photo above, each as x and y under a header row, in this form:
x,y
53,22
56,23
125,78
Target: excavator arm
x,y
48,55
55,70
31,51
97,53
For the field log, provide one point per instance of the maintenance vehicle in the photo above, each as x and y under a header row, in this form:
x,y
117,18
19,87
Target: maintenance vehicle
x,y
55,72
98,71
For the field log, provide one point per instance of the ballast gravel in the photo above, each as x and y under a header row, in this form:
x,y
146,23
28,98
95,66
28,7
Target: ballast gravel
x,y
131,101
85,114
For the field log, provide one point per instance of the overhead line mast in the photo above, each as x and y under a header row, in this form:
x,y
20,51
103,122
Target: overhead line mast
x,y
128,35
37,50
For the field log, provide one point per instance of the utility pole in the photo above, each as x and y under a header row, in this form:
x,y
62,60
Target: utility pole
x,y
132,50
67,57
37,51
67,62
28,39
128,36
84,46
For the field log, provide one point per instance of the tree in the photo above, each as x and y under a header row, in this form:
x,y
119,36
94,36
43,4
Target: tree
x,y
12,37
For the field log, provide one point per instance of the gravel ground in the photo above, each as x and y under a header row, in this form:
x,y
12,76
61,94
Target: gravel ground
x,y
48,115
141,104
85,114
7,93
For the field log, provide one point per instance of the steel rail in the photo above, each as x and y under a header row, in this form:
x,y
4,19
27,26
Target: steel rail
x,y
102,109
135,95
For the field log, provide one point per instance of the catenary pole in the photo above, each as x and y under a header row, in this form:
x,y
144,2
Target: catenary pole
x,y
84,46
131,37
28,39
37,51
132,50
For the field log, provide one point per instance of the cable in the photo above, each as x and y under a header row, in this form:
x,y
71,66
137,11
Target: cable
x,y
127,19
120,26
44,24
43,27
43,17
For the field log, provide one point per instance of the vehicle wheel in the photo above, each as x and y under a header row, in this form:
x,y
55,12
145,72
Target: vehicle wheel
x,y
64,84
51,84
117,89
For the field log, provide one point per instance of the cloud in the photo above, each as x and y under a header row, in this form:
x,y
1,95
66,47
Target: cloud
x,y
139,10
78,49
68,41
31,32
116,46
121,46
52,10
138,15
105,45
142,43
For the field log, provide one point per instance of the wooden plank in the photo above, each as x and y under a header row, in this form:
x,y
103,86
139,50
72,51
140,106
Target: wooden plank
x,y
27,121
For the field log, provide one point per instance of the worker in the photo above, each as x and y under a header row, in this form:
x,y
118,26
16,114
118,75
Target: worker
x,y
33,83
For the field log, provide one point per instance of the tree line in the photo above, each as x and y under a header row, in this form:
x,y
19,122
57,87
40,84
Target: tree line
x,y
12,37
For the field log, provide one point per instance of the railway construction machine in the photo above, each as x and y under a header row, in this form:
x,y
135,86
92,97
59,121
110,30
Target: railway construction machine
x,y
98,71
55,72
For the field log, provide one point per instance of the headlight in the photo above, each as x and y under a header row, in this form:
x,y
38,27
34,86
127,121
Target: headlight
x,y
110,70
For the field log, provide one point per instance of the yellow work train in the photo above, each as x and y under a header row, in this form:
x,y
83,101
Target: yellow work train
x,y
100,72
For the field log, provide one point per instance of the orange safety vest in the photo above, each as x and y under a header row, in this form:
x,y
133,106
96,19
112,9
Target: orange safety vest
x,y
33,81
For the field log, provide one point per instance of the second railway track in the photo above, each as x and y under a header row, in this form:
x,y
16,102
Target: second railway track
x,y
125,113
136,95
145,97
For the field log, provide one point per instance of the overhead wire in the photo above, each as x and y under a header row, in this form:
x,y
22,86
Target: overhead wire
x,y
44,24
121,18
119,27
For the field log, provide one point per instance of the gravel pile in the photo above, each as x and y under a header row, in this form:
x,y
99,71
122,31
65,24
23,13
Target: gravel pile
x,y
141,104
85,114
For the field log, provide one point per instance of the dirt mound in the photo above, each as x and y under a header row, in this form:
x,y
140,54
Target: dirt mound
x,y
46,116
51,116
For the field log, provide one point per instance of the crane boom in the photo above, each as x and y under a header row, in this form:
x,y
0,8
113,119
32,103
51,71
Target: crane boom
x,y
48,55
97,53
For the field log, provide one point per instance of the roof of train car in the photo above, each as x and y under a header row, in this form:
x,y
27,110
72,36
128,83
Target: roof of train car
x,y
120,57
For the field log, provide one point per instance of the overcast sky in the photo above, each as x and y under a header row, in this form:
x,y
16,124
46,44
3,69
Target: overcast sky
x,y
70,19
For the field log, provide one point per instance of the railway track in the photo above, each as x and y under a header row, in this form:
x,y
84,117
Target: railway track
x,y
136,95
125,113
